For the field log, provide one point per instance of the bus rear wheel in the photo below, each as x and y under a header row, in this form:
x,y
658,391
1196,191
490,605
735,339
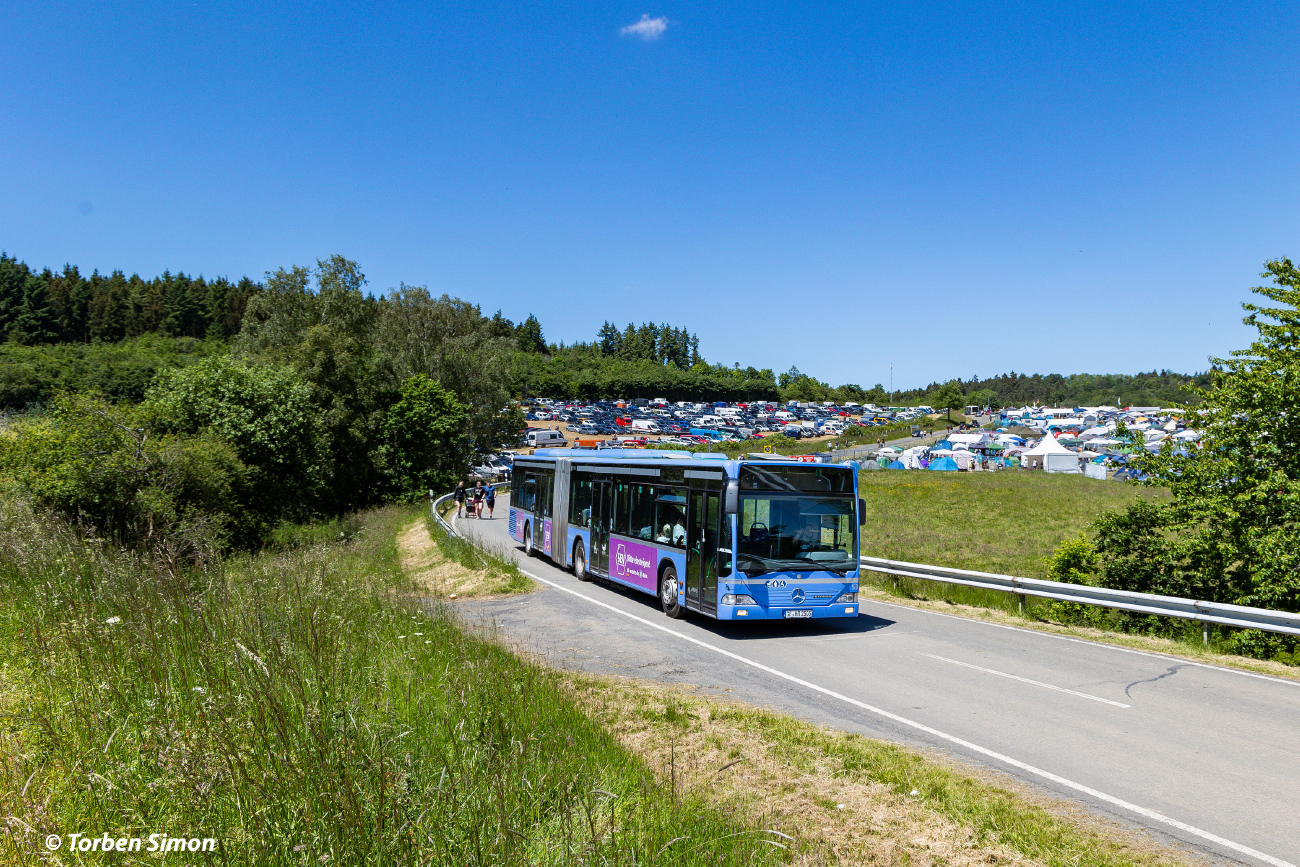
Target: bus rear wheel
x,y
580,562
669,593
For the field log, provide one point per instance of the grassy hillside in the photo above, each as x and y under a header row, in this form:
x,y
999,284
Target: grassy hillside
x,y
301,707
1004,522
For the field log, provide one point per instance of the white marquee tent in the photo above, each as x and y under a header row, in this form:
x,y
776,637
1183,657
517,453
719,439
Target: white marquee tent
x,y
1050,456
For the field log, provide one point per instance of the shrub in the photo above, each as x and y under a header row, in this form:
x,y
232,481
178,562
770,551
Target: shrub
x,y
105,467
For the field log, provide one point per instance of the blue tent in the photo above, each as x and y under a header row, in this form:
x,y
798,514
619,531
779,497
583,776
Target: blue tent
x,y
896,465
942,444
947,465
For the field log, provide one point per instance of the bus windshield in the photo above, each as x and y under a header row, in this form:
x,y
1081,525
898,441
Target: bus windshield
x,y
781,532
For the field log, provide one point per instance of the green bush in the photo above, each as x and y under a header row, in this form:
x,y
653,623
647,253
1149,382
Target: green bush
x,y
104,466
266,414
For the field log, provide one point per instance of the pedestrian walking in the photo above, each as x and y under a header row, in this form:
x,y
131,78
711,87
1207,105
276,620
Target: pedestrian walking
x,y
490,499
460,498
478,499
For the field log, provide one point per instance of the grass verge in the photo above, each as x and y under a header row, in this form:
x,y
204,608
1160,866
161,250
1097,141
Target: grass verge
x,y
1005,522
302,707
855,800
1009,523
455,567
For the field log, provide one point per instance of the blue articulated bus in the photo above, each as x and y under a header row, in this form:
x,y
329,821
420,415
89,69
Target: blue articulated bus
x,y
731,539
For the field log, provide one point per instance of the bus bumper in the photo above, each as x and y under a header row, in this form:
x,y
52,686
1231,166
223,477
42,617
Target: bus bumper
x,y
758,612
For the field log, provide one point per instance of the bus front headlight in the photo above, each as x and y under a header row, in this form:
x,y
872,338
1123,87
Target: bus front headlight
x,y
848,597
738,599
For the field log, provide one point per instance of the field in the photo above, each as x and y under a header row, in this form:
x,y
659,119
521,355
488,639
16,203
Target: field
x,y
1004,522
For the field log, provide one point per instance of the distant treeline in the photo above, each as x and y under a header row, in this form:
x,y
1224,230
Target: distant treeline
x,y
1157,388
650,360
111,334
41,307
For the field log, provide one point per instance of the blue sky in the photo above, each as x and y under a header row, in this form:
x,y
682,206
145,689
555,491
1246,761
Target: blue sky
x,y
959,189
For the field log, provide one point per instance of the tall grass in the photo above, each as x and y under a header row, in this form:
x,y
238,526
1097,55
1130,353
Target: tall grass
x,y
301,707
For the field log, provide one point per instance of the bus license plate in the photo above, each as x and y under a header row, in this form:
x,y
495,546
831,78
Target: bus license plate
x,y
798,613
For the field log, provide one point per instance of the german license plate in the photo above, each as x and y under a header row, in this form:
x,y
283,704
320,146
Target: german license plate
x,y
796,613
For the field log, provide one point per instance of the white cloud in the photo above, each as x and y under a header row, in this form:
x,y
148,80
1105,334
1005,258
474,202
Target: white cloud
x,y
647,28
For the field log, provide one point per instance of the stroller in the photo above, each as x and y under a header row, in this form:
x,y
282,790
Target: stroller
x,y
471,507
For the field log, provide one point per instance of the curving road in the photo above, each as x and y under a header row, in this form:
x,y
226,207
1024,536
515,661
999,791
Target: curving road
x,y
1204,756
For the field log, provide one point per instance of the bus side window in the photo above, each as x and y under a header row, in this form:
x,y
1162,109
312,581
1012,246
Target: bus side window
x,y
580,503
642,512
622,507
528,492
670,517
724,546
546,494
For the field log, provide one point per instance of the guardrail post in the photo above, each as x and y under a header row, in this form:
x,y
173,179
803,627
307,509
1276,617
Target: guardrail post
x,y
1205,632
1020,600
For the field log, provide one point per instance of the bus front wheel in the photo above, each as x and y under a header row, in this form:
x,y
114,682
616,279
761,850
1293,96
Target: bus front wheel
x,y
528,540
580,562
669,593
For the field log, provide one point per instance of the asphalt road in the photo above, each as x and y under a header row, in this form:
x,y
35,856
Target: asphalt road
x,y
1206,756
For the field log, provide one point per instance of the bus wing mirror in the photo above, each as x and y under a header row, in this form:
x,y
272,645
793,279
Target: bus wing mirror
x,y
862,511
731,502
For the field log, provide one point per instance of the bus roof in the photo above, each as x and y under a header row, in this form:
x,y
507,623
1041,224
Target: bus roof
x,y
656,456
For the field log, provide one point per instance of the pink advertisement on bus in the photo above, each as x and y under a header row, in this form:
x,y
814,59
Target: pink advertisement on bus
x,y
633,563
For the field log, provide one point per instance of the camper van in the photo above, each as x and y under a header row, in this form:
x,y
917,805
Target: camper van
x,y
545,438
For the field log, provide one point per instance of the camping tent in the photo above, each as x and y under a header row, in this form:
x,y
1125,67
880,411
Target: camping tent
x,y
944,465
1051,456
896,465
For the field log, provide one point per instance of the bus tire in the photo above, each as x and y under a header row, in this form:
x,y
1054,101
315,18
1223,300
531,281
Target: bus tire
x,y
528,541
670,593
580,562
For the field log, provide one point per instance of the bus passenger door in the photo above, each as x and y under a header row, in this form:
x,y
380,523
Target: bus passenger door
x,y
702,551
602,514
694,556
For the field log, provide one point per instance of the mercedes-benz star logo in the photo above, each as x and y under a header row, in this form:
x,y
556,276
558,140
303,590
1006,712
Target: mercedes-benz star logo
x,y
797,596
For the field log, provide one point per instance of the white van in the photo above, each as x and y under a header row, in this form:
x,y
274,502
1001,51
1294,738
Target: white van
x,y
645,425
543,438
782,415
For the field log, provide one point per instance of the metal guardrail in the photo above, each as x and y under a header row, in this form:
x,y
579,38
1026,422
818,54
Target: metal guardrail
x,y
435,503
1239,616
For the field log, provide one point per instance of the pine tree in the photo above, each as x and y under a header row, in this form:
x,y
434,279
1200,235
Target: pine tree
x,y
13,278
609,340
35,322
528,336
181,308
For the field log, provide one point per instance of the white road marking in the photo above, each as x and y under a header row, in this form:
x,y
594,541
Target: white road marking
x,y
1027,680
1100,644
984,751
